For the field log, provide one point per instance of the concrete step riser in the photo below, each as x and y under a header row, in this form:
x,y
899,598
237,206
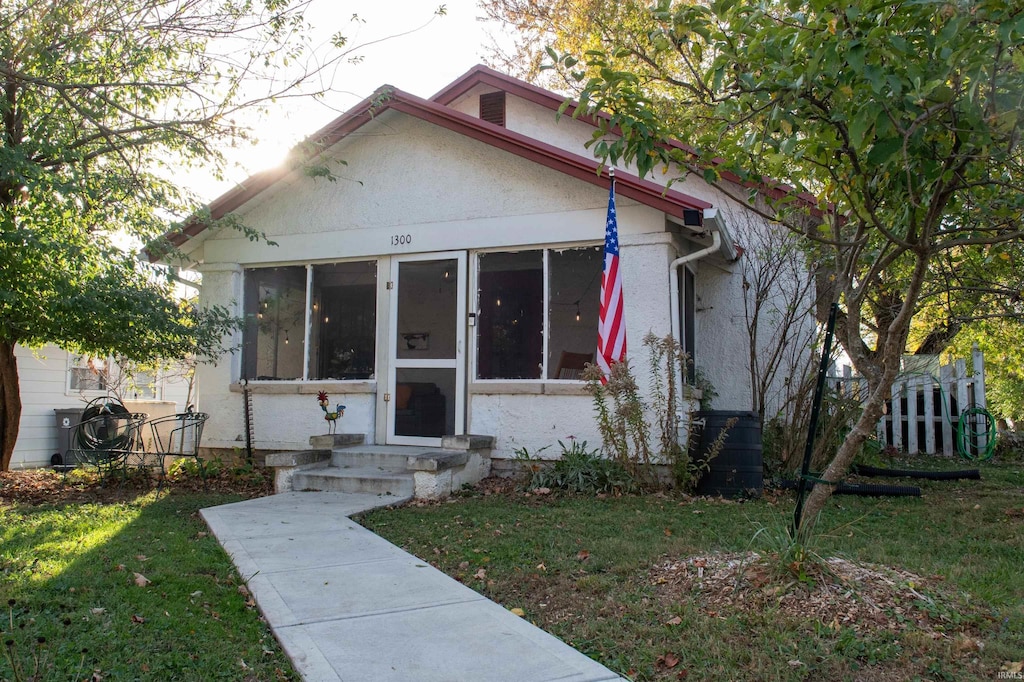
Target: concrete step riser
x,y
378,460
399,487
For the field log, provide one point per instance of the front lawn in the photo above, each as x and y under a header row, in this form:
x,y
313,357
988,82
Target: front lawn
x,y
121,584
645,586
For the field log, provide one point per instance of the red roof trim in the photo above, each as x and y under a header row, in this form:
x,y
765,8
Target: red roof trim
x,y
581,167
551,100
648,193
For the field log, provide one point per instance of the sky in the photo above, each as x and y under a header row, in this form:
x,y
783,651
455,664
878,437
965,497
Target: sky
x,y
421,63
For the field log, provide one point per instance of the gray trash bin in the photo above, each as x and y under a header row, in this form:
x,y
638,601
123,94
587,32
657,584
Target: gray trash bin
x,y
66,420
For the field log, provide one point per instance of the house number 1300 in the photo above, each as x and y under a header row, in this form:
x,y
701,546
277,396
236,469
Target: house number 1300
x,y
401,239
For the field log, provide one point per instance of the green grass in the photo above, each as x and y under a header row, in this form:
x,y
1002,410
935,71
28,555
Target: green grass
x,y
71,605
579,568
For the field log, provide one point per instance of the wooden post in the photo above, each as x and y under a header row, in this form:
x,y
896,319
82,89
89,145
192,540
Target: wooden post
x,y
962,400
897,415
929,416
912,383
946,395
980,422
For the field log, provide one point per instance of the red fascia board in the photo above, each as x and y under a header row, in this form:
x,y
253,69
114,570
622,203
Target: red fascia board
x,y
480,74
583,168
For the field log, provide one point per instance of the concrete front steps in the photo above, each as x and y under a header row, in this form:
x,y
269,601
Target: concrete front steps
x,y
344,463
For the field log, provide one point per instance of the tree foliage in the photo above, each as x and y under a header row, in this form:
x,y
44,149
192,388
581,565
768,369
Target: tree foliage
x,y
899,126
104,104
963,288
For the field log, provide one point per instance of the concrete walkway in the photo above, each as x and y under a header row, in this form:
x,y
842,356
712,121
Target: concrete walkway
x,y
348,605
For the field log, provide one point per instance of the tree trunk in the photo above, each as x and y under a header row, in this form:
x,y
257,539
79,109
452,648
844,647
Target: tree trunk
x,y
852,444
10,403
886,372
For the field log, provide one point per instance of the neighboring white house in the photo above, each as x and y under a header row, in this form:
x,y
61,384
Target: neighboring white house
x,y
446,282
53,379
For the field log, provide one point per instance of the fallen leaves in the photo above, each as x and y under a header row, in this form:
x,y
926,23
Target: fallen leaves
x,y
841,594
582,555
45,486
142,580
667,660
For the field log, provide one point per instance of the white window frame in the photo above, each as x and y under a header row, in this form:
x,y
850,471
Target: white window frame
x,y
113,372
78,361
474,278
308,319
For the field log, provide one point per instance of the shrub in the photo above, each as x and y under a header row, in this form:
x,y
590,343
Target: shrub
x,y
638,435
578,470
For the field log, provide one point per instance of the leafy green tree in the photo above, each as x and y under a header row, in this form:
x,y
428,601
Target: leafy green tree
x,y
899,126
961,289
999,339
102,104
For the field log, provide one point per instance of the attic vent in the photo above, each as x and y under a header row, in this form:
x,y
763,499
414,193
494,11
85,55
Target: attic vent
x,y
692,218
492,108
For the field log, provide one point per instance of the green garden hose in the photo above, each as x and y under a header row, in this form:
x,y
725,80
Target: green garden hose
x,y
966,431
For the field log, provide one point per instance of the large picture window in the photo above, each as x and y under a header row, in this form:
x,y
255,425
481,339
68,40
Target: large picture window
x,y
339,303
344,321
537,313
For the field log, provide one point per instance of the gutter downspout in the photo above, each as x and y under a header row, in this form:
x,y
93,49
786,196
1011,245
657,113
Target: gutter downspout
x,y
716,243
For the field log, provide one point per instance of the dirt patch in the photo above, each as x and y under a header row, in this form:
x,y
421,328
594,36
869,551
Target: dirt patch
x,y
45,486
835,592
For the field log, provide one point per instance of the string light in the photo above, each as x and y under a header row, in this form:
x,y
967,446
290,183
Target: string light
x,y
577,311
286,337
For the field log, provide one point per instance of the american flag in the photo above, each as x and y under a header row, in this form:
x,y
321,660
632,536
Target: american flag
x,y
611,329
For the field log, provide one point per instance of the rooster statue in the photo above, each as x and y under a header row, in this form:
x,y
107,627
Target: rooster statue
x,y
330,417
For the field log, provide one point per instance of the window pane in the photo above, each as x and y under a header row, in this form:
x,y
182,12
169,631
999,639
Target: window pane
x,y
344,334
428,298
275,315
87,374
689,308
574,299
510,322
424,401
142,385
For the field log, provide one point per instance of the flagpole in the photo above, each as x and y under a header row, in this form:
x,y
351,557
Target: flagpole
x,y
611,331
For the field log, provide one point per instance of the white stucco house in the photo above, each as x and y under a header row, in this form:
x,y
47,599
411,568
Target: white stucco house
x,y
446,282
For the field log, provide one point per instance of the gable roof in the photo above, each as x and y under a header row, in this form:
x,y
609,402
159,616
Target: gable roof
x,y
480,74
437,112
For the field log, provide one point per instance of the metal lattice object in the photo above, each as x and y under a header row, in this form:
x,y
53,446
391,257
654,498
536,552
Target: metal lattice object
x,y
107,440
177,435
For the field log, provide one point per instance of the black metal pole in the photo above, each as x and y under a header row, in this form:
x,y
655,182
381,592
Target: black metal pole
x,y
812,428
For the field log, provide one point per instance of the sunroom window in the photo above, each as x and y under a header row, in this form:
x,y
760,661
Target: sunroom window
x,y
537,313
344,321
329,309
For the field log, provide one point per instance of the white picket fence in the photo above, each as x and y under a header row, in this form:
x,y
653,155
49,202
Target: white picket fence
x,y
925,407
